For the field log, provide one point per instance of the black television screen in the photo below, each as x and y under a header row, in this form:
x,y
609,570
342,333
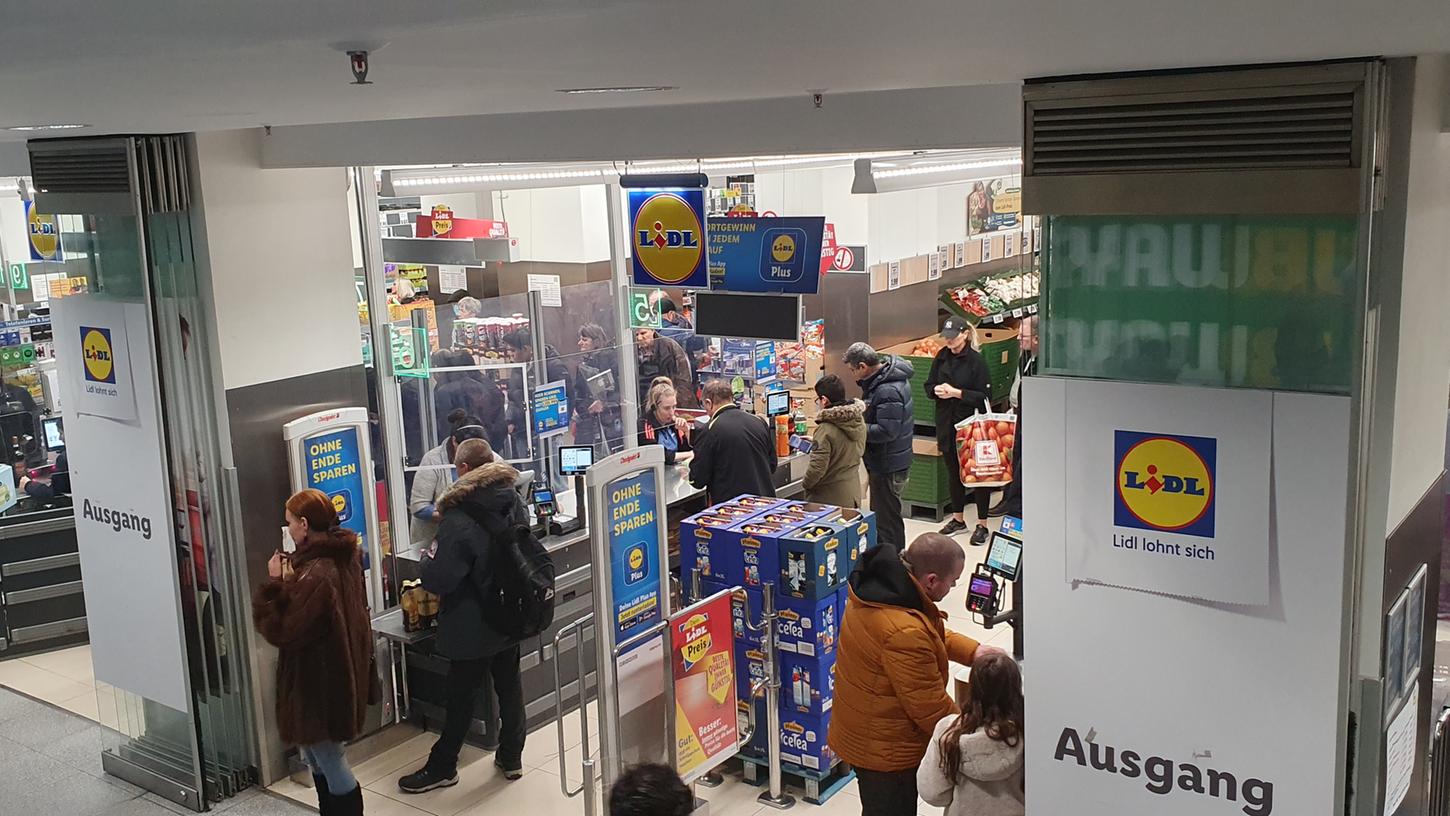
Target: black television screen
x,y
748,317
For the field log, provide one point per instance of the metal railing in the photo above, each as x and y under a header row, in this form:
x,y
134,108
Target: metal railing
x,y
1440,766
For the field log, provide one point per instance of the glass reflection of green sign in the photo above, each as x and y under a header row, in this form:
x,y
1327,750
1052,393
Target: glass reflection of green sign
x,y
1254,302
410,351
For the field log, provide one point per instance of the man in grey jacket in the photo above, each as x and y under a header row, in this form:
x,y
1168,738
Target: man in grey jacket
x,y
886,388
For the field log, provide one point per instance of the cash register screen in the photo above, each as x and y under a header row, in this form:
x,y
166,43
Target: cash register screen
x,y
1004,557
54,434
777,403
574,460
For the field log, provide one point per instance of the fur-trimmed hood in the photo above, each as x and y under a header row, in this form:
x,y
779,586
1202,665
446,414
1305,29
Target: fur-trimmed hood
x,y
478,481
339,544
850,418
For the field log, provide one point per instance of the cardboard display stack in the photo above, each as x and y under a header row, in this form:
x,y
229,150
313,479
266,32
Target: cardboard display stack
x,y
806,551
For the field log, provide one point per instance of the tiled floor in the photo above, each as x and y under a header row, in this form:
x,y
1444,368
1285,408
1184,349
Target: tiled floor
x,y
49,759
62,678
50,763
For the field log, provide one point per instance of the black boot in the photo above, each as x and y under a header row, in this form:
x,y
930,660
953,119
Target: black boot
x,y
324,799
349,804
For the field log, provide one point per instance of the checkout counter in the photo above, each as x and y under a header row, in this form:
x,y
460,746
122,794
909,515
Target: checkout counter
x,y
41,602
421,680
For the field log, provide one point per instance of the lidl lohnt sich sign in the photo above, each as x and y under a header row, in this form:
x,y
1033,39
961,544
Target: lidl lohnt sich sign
x,y
1165,483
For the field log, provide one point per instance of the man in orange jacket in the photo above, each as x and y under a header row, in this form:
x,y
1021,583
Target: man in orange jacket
x,y
891,668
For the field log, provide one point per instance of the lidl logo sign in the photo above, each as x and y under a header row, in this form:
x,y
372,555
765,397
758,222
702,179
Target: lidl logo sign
x,y
1165,483
96,353
669,238
44,234
782,249
638,570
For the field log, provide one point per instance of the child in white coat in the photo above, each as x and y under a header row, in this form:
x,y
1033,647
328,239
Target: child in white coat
x,y
973,766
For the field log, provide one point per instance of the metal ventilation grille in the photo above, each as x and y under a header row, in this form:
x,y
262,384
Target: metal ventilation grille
x,y
101,168
1314,128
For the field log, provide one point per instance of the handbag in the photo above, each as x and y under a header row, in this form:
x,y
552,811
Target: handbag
x,y
984,448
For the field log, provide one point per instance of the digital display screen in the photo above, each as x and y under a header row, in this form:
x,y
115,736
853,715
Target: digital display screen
x,y
543,496
1004,557
54,434
777,403
574,460
769,317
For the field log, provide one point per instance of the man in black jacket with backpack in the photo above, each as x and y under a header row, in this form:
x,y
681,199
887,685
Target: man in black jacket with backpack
x,y
477,510
885,382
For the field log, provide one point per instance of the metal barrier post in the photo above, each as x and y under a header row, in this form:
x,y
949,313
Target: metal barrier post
x,y
775,796
586,785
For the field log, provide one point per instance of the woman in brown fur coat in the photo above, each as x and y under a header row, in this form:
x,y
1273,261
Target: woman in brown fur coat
x,y
314,610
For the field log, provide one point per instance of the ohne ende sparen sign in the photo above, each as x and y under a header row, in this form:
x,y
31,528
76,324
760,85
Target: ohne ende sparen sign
x,y
1258,795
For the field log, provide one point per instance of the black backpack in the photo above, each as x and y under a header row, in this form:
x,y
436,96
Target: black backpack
x,y
518,601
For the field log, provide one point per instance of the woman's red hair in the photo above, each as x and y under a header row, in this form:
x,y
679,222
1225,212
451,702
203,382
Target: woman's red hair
x,y
315,508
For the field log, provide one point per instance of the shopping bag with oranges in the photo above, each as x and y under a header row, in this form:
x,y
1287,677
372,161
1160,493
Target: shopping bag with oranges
x,y
984,449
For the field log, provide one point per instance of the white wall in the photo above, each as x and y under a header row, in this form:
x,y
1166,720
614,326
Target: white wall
x,y
14,237
281,263
1423,385
557,224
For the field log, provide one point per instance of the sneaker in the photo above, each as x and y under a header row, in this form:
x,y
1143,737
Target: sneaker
x,y
997,510
508,773
953,526
979,536
426,779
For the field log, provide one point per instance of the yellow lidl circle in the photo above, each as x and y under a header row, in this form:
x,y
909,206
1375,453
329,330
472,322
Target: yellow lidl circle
x,y
339,503
97,355
667,238
1165,484
44,235
636,558
782,249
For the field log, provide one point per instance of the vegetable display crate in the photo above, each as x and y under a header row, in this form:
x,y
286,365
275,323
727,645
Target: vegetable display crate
x,y
819,786
1000,348
926,490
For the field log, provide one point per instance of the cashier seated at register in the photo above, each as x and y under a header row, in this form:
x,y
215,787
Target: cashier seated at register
x,y
735,452
59,484
660,425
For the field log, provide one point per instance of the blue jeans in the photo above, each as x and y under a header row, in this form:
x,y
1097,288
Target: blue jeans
x,y
327,759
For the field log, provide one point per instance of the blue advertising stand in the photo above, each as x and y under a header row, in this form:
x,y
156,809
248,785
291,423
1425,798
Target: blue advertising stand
x,y
551,408
330,451
630,560
769,255
667,238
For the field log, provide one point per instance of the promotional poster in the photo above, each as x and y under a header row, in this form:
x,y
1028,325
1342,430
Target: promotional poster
x,y
703,662
632,512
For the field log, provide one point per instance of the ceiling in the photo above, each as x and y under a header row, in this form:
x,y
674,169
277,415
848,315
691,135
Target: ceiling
x,y
180,65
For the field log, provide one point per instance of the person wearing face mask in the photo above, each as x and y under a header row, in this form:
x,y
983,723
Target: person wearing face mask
x,y
659,425
891,667
959,385
313,608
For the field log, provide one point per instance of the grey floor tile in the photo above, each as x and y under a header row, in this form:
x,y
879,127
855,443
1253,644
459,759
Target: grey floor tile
x,y
168,805
80,750
23,769
76,794
44,727
14,705
140,806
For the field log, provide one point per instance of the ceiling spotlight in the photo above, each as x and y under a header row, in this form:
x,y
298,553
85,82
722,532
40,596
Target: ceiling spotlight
x,y
33,128
620,89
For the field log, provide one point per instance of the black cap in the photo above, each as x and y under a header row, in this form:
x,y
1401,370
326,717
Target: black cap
x,y
953,327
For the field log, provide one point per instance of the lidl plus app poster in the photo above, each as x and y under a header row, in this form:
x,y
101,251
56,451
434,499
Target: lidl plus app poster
x,y
633,507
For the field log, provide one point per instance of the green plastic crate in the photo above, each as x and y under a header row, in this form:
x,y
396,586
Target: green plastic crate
x,y
926,481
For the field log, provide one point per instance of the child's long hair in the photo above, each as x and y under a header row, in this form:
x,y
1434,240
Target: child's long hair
x,y
994,703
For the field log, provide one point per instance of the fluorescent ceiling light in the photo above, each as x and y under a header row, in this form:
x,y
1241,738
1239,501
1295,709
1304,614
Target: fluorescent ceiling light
x,y
934,171
32,128
620,89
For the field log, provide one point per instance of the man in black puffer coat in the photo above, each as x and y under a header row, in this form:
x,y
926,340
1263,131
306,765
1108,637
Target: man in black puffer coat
x,y
886,388
460,572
